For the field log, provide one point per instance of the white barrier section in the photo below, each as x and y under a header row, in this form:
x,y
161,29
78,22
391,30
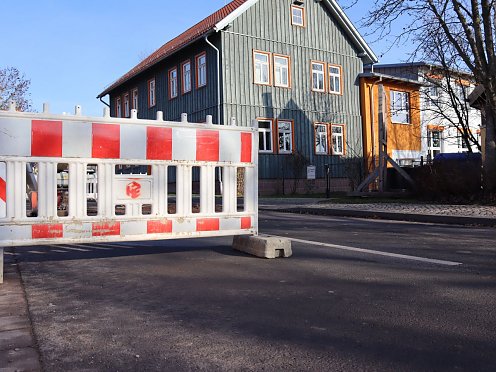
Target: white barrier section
x,y
76,179
3,190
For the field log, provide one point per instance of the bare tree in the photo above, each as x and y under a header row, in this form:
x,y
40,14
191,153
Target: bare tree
x,y
465,33
14,86
446,103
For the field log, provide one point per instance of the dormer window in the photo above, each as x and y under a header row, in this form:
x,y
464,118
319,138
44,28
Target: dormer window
x,y
297,16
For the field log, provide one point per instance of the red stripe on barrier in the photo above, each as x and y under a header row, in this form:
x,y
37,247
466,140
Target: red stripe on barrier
x,y
159,227
106,229
207,145
46,138
3,190
207,224
47,231
245,223
106,141
246,147
158,143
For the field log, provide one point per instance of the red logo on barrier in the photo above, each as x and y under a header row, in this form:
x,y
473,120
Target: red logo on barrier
x,y
133,190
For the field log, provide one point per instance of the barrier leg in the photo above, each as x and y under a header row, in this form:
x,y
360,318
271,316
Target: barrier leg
x,y
1,265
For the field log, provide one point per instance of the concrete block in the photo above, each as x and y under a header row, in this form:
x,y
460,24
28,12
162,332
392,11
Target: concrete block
x,y
265,247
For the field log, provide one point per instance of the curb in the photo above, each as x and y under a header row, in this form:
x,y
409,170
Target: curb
x,y
394,216
18,347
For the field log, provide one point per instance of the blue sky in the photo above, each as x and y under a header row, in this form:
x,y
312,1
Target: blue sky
x,y
72,49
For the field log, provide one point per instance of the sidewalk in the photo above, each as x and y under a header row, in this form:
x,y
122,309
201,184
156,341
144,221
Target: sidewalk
x,y
475,215
18,351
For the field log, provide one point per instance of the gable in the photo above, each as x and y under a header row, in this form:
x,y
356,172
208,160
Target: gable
x,y
277,13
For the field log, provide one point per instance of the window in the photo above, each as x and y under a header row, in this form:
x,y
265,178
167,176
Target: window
x,y
261,68
318,76
151,93
285,135
281,71
400,107
337,132
201,70
118,107
321,139
186,76
173,83
126,105
459,91
462,145
433,96
434,141
265,135
297,16
335,79
134,102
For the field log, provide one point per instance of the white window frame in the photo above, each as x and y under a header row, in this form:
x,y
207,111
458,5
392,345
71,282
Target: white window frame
x,y
126,105
201,70
400,107
284,134
186,77
173,86
430,147
320,75
462,146
258,66
334,78
264,132
118,107
339,137
134,99
321,135
432,99
152,100
281,70
294,16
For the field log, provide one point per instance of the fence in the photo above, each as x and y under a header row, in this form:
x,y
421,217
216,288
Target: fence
x,y
62,179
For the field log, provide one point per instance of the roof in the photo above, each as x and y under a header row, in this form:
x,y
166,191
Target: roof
x,y
389,78
217,21
406,65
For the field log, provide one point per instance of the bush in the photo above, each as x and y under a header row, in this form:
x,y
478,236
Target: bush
x,y
457,179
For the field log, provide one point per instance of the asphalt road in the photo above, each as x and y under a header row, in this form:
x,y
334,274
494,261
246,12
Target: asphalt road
x,y
199,305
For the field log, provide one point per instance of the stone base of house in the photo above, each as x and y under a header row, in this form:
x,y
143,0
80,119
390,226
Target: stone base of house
x,y
269,187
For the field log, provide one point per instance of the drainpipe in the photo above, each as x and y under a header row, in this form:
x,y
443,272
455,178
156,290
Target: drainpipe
x,y
218,77
221,185
105,103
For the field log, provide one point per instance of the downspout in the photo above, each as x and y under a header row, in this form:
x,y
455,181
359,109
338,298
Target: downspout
x,y
105,103
218,77
221,185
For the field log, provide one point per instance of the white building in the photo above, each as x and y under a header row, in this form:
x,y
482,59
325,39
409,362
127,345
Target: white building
x,y
442,108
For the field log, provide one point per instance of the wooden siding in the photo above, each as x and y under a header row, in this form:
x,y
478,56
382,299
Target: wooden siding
x,y
198,103
402,137
267,27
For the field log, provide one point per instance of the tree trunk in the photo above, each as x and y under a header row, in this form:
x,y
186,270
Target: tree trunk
x,y
489,166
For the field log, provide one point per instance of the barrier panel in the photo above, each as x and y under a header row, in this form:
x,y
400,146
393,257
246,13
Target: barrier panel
x,y
76,179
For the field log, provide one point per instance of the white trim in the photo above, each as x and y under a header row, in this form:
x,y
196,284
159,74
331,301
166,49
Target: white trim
x,y
335,10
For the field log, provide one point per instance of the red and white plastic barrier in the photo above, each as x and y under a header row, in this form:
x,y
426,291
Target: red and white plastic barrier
x,y
3,190
80,143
